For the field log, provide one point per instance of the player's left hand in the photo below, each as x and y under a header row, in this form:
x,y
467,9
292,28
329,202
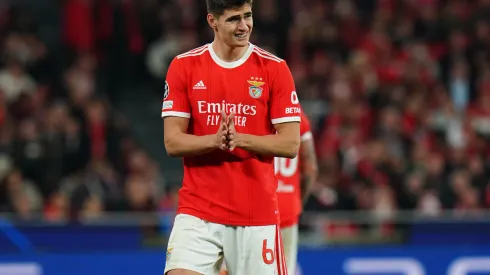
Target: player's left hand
x,y
232,134
222,134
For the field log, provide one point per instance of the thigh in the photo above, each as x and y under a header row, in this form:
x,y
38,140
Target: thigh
x,y
290,243
194,245
182,272
254,250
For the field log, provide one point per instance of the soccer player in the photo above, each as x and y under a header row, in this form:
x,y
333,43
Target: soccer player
x,y
229,108
295,177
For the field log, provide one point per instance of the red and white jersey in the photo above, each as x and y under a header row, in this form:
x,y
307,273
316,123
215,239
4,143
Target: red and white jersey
x,y
288,176
238,187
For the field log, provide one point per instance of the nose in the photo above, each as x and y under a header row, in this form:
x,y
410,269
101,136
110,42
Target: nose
x,y
243,25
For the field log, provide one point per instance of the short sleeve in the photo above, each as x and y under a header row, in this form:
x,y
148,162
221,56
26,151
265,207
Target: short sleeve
x,y
175,99
284,104
305,128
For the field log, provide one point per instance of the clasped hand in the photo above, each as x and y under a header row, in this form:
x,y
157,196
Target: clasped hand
x,y
227,137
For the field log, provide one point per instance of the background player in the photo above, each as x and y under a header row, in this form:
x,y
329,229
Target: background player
x,y
295,177
227,204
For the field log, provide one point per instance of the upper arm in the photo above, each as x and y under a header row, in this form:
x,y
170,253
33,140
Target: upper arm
x,y
173,126
175,99
176,109
289,138
284,103
289,129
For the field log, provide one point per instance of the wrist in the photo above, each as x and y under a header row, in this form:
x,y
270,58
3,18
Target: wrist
x,y
211,142
242,140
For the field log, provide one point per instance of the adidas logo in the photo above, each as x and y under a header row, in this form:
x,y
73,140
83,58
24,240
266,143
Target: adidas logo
x,y
200,86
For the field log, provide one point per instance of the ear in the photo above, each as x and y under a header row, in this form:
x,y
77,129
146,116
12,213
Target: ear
x,y
212,21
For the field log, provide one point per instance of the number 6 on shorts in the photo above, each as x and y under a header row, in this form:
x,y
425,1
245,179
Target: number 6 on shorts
x,y
267,253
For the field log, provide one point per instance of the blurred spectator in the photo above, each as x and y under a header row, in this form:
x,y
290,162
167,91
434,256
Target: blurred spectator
x,y
92,208
14,81
57,208
138,198
22,194
79,28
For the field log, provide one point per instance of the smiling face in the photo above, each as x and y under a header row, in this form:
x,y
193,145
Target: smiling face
x,y
234,26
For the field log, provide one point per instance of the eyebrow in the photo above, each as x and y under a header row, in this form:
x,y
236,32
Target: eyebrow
x,y
232,18
235,17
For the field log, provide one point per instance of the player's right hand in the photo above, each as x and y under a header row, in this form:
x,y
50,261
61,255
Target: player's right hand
x,y
231,132
222,134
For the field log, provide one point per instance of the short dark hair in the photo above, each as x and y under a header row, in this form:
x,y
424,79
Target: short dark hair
x,y
218,7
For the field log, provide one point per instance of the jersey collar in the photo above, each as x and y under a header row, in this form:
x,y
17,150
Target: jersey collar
x,y
230,65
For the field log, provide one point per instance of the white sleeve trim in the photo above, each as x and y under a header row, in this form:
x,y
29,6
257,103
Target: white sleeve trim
x,y
286,119
306,136
177,114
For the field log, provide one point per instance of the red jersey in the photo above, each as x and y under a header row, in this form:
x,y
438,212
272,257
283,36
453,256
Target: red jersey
x,y
238,187
288,176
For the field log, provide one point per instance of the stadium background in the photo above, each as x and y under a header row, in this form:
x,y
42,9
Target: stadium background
x,y
398,92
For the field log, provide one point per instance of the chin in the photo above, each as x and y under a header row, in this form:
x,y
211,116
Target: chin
x,y
240,43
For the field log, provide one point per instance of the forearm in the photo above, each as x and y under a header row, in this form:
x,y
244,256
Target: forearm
x,y
309,168
270,145
185,145
307,182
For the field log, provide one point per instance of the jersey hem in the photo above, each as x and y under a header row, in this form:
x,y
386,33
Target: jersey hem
x,y
289,222
286,119
177,114
182,265
212,219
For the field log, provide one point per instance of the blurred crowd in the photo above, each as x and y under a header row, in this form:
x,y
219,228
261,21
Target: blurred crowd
x,y
398,92
406,86
65,152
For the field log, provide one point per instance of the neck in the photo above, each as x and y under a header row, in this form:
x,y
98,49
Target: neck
x,y
227,53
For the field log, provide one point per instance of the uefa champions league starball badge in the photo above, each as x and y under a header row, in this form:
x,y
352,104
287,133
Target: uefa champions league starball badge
x,y
167,91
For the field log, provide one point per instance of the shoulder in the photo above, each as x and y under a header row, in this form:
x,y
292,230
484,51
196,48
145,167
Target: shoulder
x,y
304,116
271,62
188,59
192,54
305,127
305,121
266,56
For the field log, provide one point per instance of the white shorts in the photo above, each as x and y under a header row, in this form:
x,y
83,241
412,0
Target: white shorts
x,y
290,242
201,246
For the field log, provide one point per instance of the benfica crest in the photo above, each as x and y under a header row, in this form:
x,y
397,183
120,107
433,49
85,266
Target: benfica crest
x,y
255,90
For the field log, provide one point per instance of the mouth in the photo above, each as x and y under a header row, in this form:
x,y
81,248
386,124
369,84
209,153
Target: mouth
x,y
241,35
